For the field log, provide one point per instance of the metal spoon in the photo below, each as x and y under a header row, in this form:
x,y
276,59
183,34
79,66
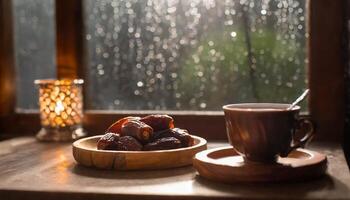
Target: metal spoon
x,y
299,99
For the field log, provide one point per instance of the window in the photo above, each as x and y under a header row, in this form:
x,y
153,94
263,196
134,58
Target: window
x,y
34,42
323,60
193,55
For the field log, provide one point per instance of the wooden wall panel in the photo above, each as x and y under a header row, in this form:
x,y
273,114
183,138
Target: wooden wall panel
x,y
346,143
326,66
69,38
7,65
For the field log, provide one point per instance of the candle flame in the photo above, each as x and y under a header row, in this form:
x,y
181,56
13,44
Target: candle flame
x,y
59,107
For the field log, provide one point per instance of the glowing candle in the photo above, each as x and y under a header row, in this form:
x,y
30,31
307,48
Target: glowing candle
x,y
61,109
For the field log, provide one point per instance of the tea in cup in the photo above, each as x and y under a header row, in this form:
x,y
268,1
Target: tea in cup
x,y
261,132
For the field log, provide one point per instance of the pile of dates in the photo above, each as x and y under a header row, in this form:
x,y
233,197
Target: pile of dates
x,y
150,133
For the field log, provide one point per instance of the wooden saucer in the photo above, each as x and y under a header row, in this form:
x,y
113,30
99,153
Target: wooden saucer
x,y
225,165
86,153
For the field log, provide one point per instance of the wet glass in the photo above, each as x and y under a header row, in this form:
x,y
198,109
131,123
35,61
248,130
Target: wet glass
x,y
193,55
34,45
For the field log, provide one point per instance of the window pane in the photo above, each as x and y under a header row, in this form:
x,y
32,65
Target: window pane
x,y
34,29
193,55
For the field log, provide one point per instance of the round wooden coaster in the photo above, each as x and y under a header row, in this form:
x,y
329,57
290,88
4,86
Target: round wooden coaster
x,y
225,165
85,152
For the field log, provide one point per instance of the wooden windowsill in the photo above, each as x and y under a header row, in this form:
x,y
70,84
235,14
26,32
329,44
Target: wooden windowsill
x,y
33,170
207,124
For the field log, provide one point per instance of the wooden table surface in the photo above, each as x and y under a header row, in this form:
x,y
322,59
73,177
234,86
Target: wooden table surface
x,y
32,170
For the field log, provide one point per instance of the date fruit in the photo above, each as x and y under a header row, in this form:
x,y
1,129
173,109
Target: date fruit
x,y
183,136
180,134
109,141
137,129
163,144
117,126
158,122
152,132
128,143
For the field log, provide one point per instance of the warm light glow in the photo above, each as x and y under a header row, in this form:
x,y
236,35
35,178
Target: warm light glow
x,y
59,107
61,169
60,103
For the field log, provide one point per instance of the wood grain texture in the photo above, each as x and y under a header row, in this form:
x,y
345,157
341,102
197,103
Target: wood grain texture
x,y
7,64
32,170
326,69
226,165
85,152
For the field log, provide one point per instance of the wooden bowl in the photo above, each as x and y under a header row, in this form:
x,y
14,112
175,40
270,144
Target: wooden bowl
x,y
86,153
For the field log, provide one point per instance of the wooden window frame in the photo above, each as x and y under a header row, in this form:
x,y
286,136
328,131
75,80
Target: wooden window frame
x,y
326,68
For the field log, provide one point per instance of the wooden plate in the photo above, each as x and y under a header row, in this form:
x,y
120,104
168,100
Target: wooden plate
x,y
86,153
225,165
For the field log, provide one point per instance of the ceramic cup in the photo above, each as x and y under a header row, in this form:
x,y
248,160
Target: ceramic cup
x,y
261,132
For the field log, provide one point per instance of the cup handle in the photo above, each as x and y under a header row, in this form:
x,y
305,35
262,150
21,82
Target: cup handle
x,y
308,135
